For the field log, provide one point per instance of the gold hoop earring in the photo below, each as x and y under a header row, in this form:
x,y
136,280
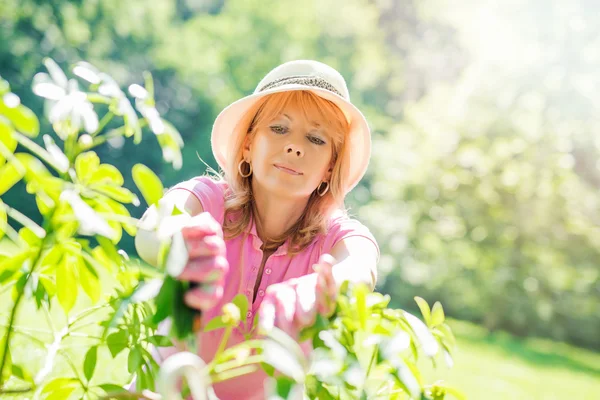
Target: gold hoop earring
x,y
249,169
321,192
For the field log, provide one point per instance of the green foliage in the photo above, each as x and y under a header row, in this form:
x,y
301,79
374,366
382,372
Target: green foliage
x,y
364,351
148,183
82,202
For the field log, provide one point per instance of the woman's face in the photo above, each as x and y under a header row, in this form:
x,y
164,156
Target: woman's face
x,y
290,155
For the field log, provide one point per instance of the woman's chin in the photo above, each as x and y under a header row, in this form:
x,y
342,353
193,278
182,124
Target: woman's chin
x,y
285,187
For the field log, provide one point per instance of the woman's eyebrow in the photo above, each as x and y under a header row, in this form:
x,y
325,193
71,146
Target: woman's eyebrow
x,y
312,123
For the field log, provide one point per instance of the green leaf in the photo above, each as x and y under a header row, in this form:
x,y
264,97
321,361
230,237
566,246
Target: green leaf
x,y
284,388
171,143
164,301
215,323
116,192
269,369
148,183
149,86
3,219
23,118
10,174
457,394
437,314
241,301
183,315
120,209
428,343
49,284
6,138
10,265
159,341
406,378
61,394
21,373
107,173
30,237
424,307
287,359
117,342
448,335
89,363
39,294
134,360
312,332
66,282
60,383
85,165
89,280
19,287
150,365
35,170
52,257
110,388
109,249
99,255
360,293
26,121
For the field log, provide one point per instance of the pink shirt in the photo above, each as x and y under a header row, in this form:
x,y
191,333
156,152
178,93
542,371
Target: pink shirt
x,y
245,256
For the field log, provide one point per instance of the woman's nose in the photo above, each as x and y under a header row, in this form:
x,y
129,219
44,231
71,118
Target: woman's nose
x,y
293,149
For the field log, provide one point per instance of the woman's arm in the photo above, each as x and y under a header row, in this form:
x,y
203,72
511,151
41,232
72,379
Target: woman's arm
x,y
293,304
146,242
355,261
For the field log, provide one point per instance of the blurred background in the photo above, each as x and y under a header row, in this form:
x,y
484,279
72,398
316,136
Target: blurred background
x,y
483,189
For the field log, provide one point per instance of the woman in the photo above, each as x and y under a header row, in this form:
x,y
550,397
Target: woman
x,y
290,153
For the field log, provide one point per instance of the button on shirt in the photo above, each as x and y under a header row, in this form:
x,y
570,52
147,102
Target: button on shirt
x,y
245,255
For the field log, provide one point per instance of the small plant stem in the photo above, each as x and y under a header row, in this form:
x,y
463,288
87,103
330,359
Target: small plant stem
x,y
13,313
224,341
103,122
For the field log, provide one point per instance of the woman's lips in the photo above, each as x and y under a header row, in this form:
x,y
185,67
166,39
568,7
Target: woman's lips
x,y
287,170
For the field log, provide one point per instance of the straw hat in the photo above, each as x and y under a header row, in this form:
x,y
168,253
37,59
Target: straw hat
x,y
318,78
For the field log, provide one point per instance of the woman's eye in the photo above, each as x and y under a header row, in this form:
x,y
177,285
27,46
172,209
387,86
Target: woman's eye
x,y
278,129
316,140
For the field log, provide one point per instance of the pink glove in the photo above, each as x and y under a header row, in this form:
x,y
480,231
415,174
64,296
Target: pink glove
x,y
207,264
293,305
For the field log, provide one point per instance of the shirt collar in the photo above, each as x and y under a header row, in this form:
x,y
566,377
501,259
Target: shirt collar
x,y
250,229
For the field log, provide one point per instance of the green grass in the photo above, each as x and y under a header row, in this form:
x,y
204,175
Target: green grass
x,y
500,366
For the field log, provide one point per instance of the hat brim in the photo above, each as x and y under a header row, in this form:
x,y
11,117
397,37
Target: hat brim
x,y
359,137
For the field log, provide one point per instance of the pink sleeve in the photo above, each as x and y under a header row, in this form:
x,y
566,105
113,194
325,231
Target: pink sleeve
x,y
209,192
342,227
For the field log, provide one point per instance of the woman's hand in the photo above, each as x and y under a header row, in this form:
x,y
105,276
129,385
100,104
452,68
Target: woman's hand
x,y
293,305
207,264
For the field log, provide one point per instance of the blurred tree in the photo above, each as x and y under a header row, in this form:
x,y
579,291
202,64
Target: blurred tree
x,y
485,195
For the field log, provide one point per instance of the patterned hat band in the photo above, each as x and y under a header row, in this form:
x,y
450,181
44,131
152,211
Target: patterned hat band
x,y
313,81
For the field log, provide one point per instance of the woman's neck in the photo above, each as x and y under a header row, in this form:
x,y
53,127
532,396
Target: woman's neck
x,y
275,215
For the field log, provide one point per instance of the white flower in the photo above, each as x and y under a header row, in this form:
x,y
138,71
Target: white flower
x,y
109,88
69,104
